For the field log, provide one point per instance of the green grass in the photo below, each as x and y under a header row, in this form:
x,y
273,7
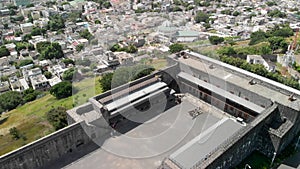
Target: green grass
x,y
156,63
30,118
198,43
210,51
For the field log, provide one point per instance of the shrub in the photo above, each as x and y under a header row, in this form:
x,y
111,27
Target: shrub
x,y
57,117
62,90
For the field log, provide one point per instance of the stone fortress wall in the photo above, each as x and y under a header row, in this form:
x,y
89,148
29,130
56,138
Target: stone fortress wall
x,y
47,149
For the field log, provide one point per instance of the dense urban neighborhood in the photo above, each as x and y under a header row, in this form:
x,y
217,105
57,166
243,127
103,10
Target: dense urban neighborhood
x,y
56,55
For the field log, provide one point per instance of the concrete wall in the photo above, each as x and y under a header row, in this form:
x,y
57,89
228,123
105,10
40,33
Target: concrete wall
x,y
239,146
47,149
289,132
258,135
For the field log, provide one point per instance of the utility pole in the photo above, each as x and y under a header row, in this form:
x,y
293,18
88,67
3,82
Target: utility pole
x,y
273,158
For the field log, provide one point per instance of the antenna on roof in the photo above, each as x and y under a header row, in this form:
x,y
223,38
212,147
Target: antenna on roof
x,y
252,82
291,97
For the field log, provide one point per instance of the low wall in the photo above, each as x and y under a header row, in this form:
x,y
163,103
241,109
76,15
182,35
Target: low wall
x,y
47,149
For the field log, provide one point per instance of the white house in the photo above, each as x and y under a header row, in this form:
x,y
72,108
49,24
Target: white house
x,y
258,59
26,27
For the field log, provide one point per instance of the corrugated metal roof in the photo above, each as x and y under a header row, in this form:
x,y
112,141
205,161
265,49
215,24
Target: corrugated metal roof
x,y
133,96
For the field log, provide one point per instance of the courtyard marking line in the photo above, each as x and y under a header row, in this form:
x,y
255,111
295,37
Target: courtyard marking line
x,y
200,136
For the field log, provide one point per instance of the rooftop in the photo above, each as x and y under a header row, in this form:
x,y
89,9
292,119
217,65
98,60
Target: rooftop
x,y
174,129
188,33
200,147
264,87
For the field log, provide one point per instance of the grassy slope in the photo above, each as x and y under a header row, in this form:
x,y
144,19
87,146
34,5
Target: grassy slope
x,y
158,63
30,118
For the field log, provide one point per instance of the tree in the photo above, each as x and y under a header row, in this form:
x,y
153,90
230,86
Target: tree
x,y
106,4
103,3
74,16
277,14
61,90
23,45
236,13
30,95
38,31
257,37
10,100
141,71
226,51
27,37
207,25
216,40
260,70
56,22
57,117
271,3
85,34
4,78
65,3
48,74
283,31
115,48
54,51
68,61
265,50
25,62
12,12
41,46
176,47
12,7
79,47
124,75
226,12
97,21
176,9
20,46
18,33
15,19
69,74
201,17
15,133
4,51
277,42
29,5
105,81
131,49
5,25
30,18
